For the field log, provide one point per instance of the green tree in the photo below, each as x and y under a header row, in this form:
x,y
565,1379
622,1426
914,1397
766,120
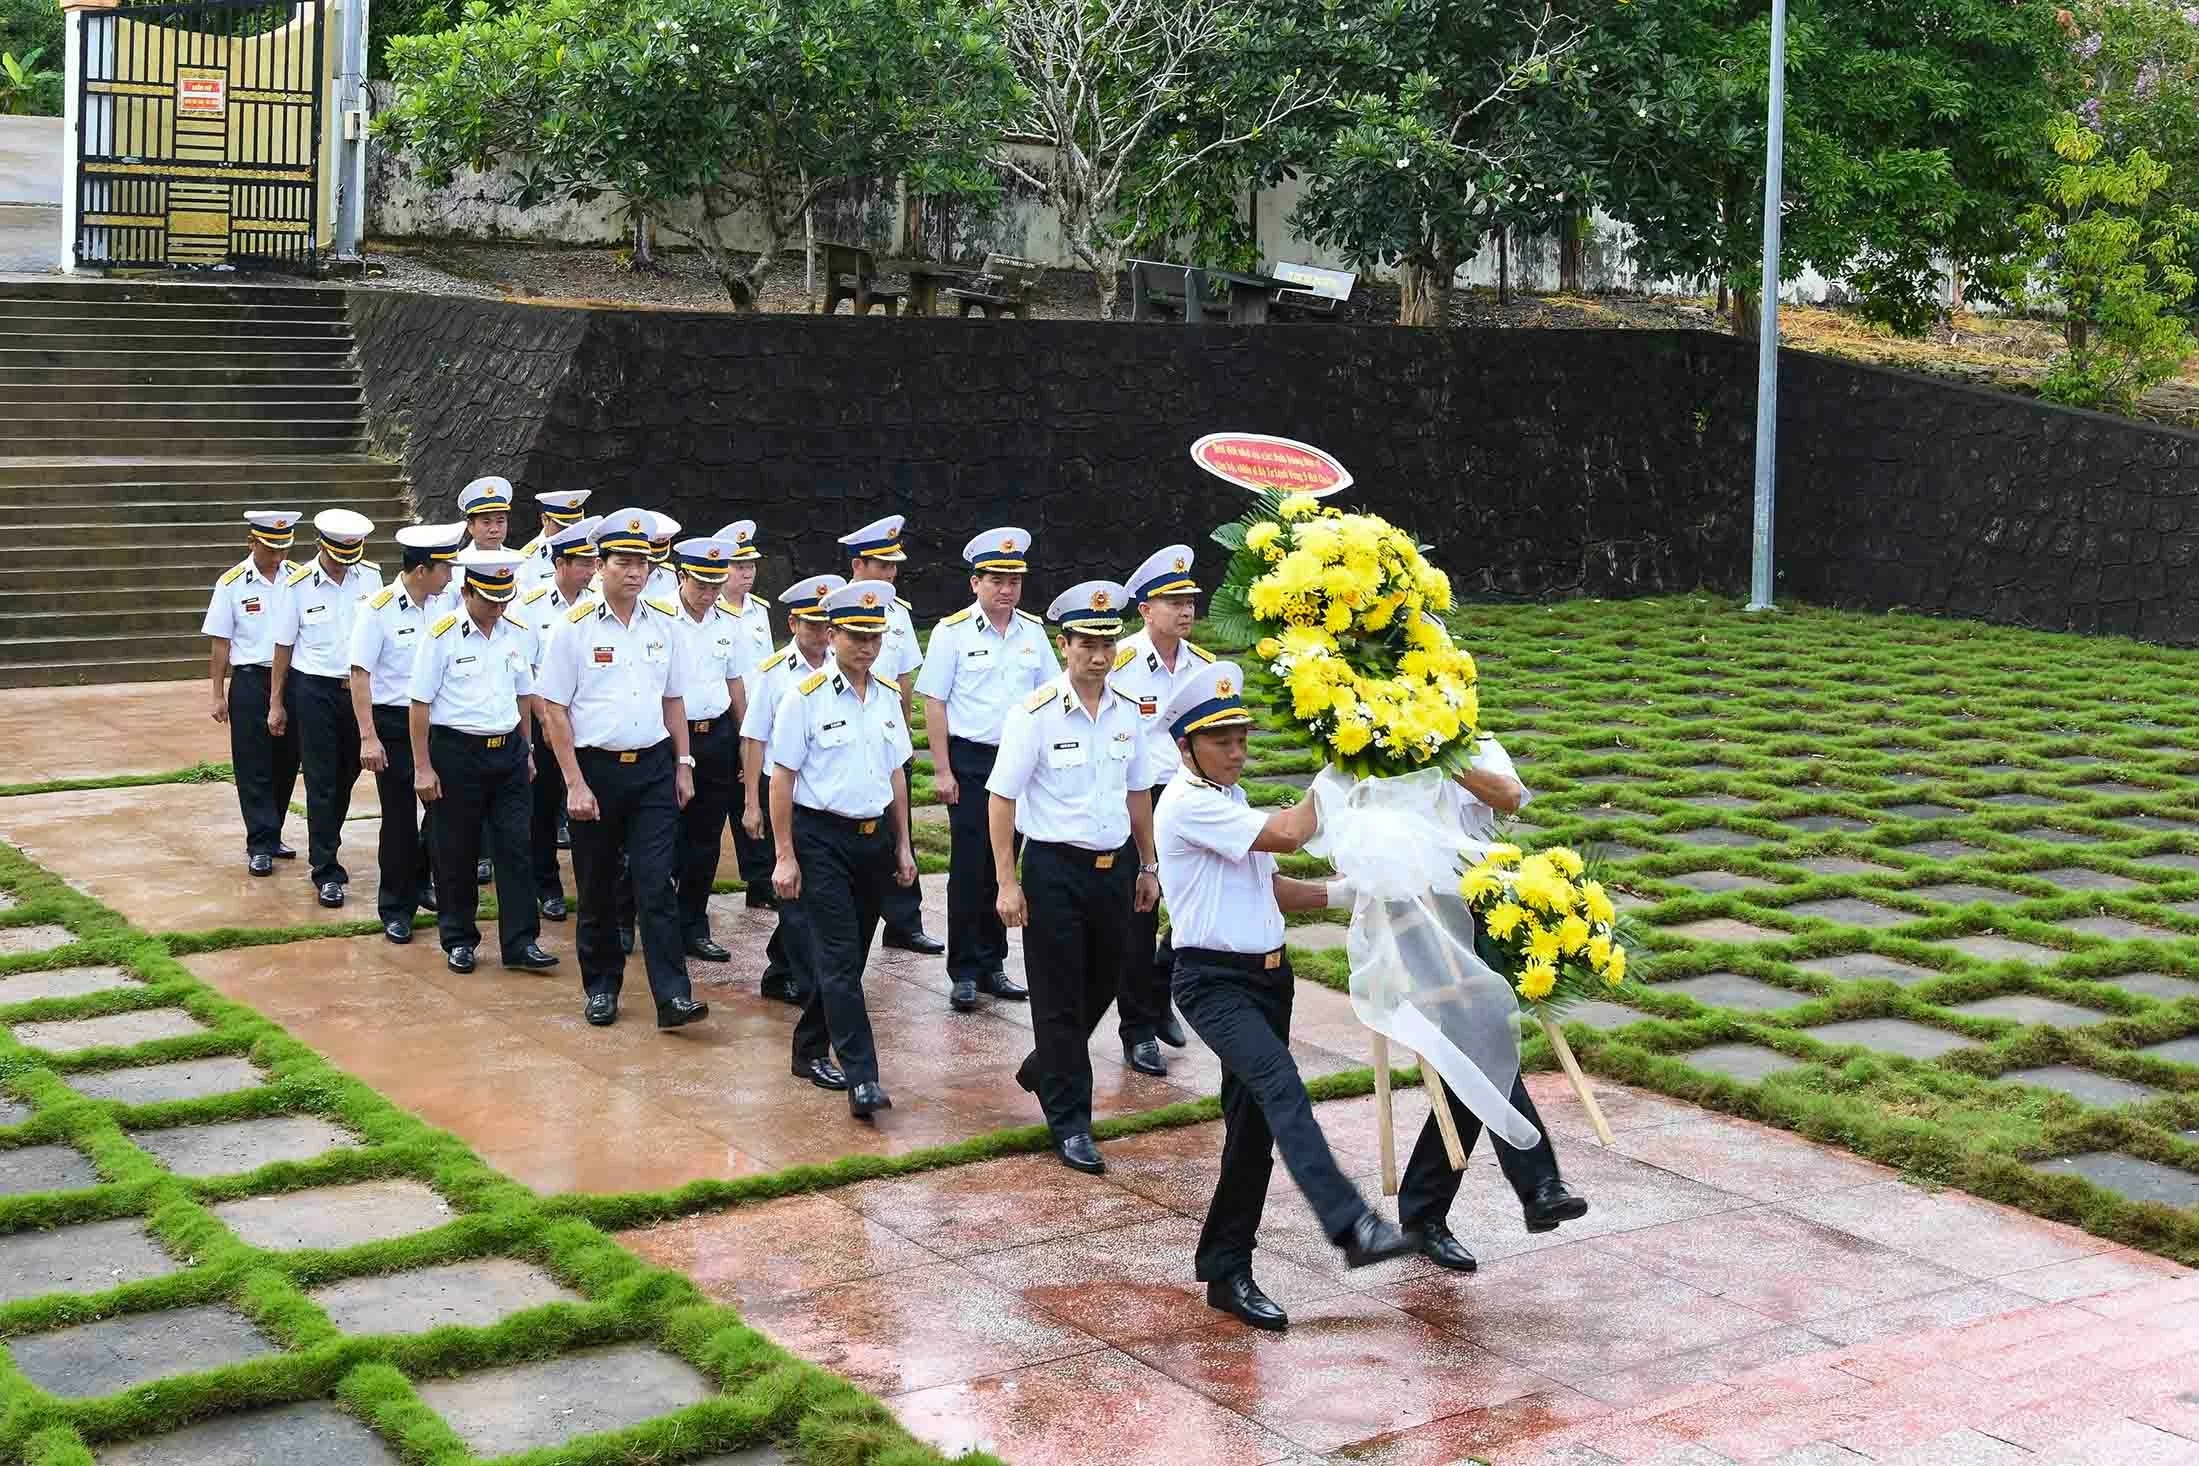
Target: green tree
x,y
719,121
2113,254
2130,70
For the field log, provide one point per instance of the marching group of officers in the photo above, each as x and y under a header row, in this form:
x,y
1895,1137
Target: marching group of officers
x,y
613,689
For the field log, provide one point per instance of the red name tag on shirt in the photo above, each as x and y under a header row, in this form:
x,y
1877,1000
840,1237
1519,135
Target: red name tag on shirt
x,y
252,607
1147,707
604,656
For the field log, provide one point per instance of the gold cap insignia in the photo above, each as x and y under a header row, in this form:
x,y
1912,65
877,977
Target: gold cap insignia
x,y
716,553
1223,687
822,591
1008,545
741,538
1099,600
633,524
1180,562
870,598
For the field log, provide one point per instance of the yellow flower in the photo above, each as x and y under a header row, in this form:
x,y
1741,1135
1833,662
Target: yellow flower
x,y
1262,538
1338,617
1504,919
1566,860
1573,935
1266,598
1478,885
1351,735
1309,692
1503,855
1298,573
1599,950
1301,642
1542,887
1543,944
1614,967
1536,980
1597,904
1300,506
1269,648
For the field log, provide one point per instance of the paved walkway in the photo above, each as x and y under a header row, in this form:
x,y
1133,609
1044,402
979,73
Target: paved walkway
x,y
30,194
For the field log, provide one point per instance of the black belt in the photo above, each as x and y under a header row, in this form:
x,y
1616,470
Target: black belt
x,y
860,827
263,668
617,755
1242,961
704,725
954,738
483,740
343,681
1097,859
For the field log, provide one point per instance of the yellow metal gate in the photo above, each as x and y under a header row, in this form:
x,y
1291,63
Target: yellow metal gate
x,y
199,135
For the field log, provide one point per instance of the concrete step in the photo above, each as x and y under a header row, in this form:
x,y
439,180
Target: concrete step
x,y
197,553
177,668
162,468
92,602
136,325
180,643
88,501
162,574
100,351
21,519
25,619
214,376
20,424
164,292
13,307
103,397
213,445
16,416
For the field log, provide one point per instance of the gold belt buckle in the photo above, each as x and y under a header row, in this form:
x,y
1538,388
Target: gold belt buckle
x,y
629,758
866,827
703,726
1272,960
1105,862
496,742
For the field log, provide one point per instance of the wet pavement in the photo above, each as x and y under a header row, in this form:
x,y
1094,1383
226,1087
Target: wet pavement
x,y
99,732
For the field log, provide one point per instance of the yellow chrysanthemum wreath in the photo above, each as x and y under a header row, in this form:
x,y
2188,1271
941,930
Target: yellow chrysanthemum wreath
x,y
1343,609
1546,925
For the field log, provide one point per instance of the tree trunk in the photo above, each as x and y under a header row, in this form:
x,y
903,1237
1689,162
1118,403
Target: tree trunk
x,y
2076,331
1954,290
1107,262
645,235
1723,302
1571,247
1745,323
1504,268
1424,291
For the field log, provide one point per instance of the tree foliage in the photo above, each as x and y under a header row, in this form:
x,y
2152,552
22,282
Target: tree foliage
x,y
708,116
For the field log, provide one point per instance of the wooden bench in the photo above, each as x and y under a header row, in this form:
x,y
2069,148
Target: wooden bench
x,y
1162,291
851,274
1315,291
1003,287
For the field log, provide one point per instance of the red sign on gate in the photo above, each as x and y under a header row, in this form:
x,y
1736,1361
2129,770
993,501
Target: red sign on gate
x,y
201,94
1264,464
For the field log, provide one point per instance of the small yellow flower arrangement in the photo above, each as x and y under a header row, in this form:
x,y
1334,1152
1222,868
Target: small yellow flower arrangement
x,y
1547,925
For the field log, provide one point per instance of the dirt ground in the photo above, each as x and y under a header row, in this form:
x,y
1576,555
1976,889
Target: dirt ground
x,y
2007,352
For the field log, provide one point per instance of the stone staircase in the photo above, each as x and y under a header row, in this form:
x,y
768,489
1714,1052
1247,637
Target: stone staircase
x,y
138,421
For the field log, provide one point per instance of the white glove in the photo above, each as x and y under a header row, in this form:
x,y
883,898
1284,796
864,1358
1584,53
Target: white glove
x,y
1343,892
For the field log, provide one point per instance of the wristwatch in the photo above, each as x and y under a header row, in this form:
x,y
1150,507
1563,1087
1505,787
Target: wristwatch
x,y
688,759
1149,870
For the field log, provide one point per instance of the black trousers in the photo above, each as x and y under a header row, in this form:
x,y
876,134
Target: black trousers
x,y
638,823
266,766
846,867
1148,963
1430,1185
904,909
787,957
716,747
402,854
328,748
548,805
754,858
1079,907
977,944
1241,1008
484,787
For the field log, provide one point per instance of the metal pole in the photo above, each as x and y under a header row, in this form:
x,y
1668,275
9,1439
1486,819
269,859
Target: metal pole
x,y
1767,345
351,128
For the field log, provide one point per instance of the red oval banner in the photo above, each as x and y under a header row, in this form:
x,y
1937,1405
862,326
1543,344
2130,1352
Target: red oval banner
x,y
1267,464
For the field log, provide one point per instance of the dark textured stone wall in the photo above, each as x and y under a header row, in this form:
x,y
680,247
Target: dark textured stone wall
x,y
1538,463
1906,491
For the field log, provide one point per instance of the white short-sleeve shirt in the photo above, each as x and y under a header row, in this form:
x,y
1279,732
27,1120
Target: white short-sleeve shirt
x,y
755,614
1477,820
1151,685
473,681
384,640
1220,891
901,655
242,612
843,749
317,613
718,650
1070,773
980,673
611,677
769,683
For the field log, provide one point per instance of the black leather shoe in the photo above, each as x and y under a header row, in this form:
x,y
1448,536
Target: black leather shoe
x,y
459,959
760,899
1550,1205
1000,985
1146,1058
867,1099
427,899
707,950
602,1010
1079,1153
1373,1239
564,834
626,940
1444,1250
680,1012
261,864
1170,1032
284,852
399,932
553,908
916,941
821,1072
332,893
779,990
531,958
964,997
1239,1295
482,874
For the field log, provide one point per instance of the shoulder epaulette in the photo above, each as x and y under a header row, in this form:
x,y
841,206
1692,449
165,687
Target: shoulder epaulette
x,y
532,545
511,620
300,573
1125,657
534,595
1026,615
580,612
442,626
370,567
1126,697
662,608
814,681
904,605
1039,699
892,682
234,572
1200,652
960,616
776,658
383,597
